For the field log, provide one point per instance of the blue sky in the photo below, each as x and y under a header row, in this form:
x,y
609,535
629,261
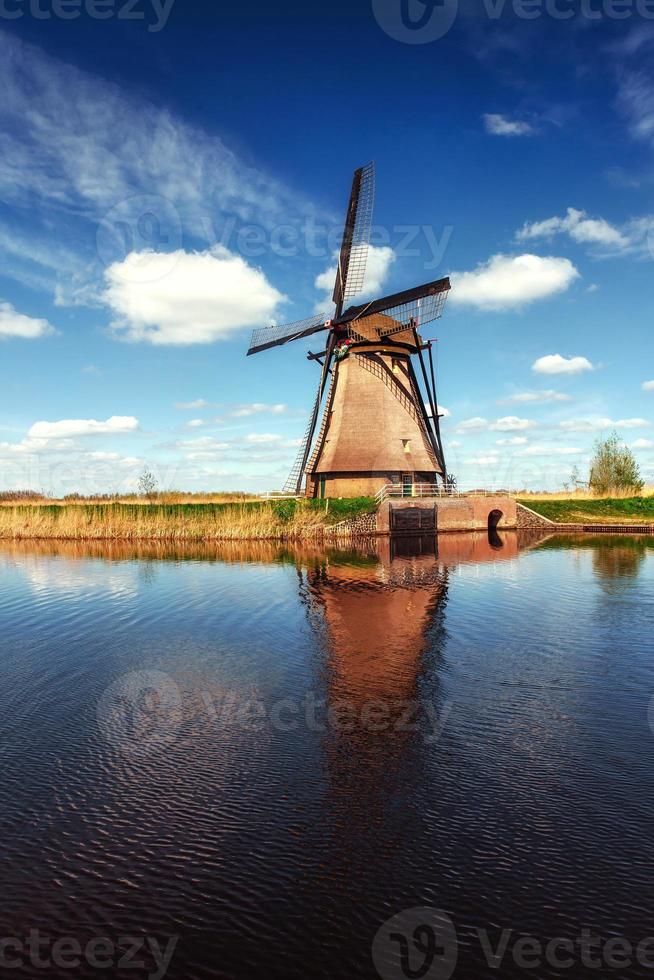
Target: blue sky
x,y
171,180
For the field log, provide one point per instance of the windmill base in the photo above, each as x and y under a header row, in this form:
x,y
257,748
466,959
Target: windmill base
x,y
323,485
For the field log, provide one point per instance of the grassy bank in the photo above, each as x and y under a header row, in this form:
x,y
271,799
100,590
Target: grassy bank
x,y
578,510
278,520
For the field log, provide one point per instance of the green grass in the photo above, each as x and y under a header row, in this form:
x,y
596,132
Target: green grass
x,y
627,510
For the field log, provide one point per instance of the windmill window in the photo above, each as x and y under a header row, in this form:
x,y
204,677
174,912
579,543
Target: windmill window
x,y
406,443
395,365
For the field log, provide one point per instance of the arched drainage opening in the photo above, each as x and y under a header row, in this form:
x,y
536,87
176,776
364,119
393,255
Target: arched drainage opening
x,y
494,539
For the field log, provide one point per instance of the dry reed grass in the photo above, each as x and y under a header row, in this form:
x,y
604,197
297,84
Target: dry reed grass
x,y
647,491
260,520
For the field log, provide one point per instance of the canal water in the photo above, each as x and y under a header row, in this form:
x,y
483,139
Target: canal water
x,y
409,759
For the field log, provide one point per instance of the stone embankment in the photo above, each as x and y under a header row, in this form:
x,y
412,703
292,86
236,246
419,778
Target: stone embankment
x,y
525,517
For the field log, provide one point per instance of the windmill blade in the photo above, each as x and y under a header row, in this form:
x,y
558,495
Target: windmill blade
x,y
413,308
356,237
294,482
275,336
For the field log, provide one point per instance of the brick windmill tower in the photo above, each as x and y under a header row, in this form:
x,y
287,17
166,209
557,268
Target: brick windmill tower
x,y
376,427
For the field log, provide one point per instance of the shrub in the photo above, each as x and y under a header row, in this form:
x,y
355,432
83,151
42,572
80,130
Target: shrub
x,y
614,468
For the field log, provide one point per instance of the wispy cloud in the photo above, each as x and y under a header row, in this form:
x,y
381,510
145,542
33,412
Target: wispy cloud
x,y
258,408
511,423
498,125
192,406
579,227
91,147
600,424
535,397
508,423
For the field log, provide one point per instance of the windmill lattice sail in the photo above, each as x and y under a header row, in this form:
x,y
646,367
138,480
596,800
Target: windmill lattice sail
x,y
276,335
354,253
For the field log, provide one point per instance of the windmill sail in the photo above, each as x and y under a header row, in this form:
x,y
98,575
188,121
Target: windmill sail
x,y
352,261
276,336
413,308
293,483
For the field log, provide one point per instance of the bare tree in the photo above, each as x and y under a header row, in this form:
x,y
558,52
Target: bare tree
x,y
148,484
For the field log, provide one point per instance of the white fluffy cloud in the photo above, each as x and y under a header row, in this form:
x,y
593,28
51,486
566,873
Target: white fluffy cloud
x,y
556,364
70,428
648,386
512,441
599,424
14,324
579,227
535,397
509,282
511,423
378,264
642,444
188,297
499,125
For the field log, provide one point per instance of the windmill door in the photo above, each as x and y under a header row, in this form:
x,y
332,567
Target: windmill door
x,y
407,484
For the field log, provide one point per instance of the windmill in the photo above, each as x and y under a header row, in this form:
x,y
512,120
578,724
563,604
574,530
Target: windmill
x,y
376,427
